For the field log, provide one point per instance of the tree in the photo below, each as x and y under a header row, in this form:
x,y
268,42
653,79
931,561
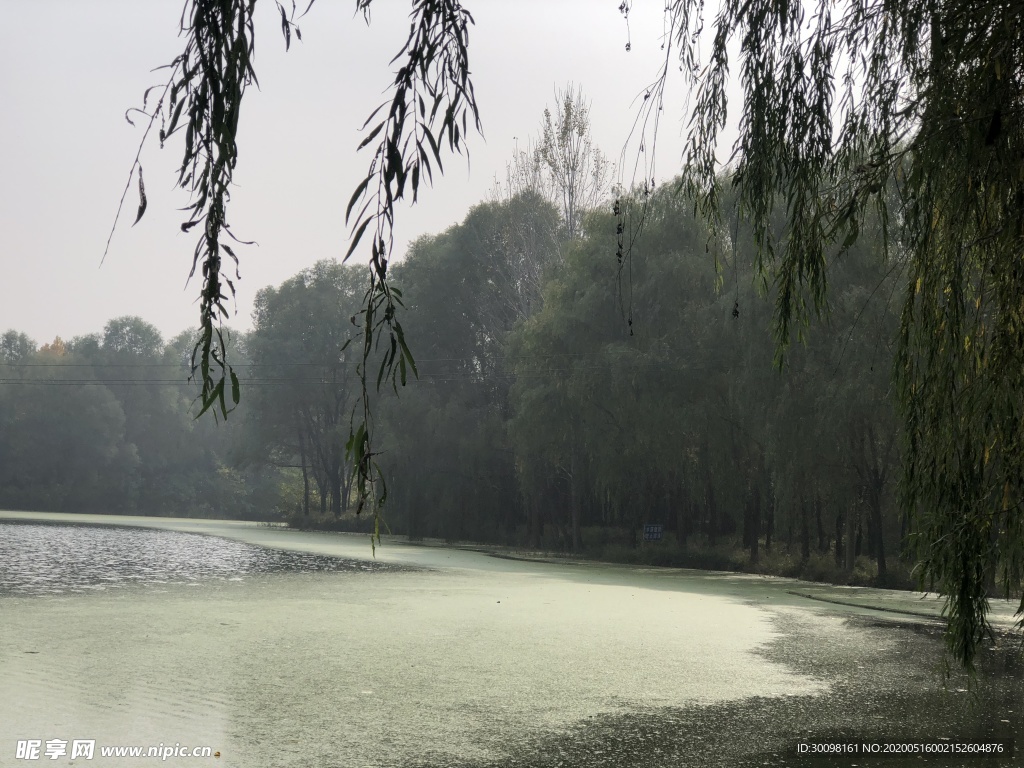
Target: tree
x,y
15,347
132,337
299,348
929,104
102,424
563,165
603,423
62,447
465,290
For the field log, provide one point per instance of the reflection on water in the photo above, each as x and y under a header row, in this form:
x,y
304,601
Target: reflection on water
x,y
52,559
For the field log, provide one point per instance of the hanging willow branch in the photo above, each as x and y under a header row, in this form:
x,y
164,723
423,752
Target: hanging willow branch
x,y
848,106
432,105
203,98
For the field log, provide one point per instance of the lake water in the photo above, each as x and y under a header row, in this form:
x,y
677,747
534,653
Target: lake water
x,y
49,558
280,648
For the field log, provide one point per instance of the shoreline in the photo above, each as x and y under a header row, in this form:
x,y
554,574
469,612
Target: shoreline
x,y
874,601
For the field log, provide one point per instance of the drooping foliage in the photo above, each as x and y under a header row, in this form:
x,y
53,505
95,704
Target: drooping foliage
x,y
908,113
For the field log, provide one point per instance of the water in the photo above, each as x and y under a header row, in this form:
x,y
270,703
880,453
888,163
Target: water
x,y
459,659
47,558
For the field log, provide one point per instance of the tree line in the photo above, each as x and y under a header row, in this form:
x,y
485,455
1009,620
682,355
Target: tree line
x,y
101,423
568,413
563,400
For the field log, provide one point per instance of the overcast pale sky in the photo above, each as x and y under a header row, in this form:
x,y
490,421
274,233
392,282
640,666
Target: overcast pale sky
x,y
72,67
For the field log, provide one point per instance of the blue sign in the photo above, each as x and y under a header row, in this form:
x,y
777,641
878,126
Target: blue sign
x,y
652,532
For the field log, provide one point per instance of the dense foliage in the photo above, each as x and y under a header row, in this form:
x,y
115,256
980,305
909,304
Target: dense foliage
x,y
562,430
101,423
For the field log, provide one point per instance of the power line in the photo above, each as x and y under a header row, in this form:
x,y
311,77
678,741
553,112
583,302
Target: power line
x,y
299,364
424,376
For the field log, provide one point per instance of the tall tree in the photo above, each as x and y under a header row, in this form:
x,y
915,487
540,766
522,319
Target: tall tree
x,y
563,164
299,348
465,291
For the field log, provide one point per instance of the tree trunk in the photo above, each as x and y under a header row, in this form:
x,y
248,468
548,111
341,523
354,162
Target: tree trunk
x,y
346,489
755,524
712,510
336,490
875,498
682,509
305,473
805,533
851,536
822,543
839,539
321,484
747,515
575,503
412,514
534,529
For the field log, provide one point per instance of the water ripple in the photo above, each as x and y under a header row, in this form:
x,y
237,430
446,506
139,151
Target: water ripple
x,y
39,559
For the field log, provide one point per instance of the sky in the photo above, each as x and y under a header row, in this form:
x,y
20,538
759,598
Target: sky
x,y
72,69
